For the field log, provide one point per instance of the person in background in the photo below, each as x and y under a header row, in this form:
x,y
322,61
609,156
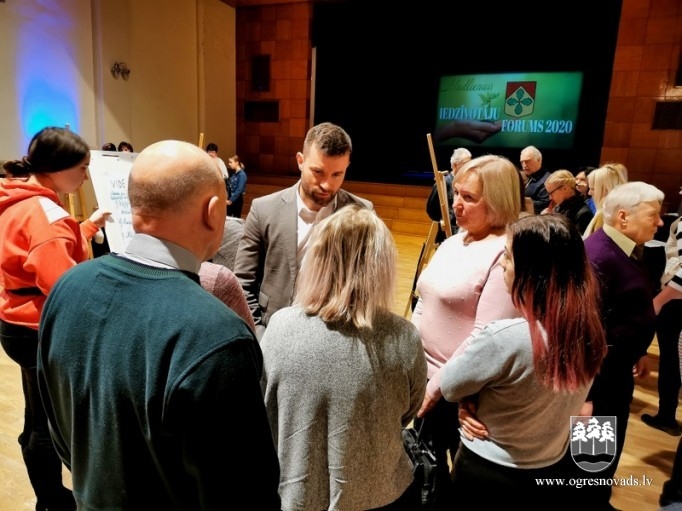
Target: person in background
x,y
529,374
670,498
531,164
671,492
337,418
618,167
227,253
124,146
279,225
459,157
566,200
41,241
130,402
527,208
632,215
212,150
462,289
109,146
668,308
583,187
223,284
217,276
604,179
601,181
237,184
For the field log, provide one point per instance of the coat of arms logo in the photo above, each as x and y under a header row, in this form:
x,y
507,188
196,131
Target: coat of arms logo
x,y
593,442
520,99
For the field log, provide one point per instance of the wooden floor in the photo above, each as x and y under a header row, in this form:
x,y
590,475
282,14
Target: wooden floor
x,y
648,452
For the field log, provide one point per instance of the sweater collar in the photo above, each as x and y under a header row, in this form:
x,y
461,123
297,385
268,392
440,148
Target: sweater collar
x,y
160,253
625,243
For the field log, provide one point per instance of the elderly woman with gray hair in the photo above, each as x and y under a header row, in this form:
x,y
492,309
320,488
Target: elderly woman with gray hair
x,y
632,215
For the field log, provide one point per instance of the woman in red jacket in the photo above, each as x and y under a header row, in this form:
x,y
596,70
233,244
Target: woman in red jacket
x,y
40,242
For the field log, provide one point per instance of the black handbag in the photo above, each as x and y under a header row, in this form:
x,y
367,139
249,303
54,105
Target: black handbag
x,y
423,466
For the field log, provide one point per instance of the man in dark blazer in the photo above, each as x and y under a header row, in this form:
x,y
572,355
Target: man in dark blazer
x,y
531,163
278,226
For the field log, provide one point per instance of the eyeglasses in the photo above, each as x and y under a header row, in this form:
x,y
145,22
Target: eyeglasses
x,y
558,187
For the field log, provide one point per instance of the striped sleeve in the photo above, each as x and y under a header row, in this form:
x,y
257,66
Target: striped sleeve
x,y
676,281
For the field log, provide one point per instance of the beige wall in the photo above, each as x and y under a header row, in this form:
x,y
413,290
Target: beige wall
x,y
217,73
185,77
180,52
45,45
181,56
111,35
647,57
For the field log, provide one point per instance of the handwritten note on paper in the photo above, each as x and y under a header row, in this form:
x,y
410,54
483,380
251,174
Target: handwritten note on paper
x,y
109,173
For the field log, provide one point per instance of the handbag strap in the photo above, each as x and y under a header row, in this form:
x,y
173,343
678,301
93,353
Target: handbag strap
x,y
418,430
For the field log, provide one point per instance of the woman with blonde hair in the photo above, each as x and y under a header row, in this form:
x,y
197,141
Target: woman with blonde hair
x,y
601,181
462,289
343,375
566,200
619,167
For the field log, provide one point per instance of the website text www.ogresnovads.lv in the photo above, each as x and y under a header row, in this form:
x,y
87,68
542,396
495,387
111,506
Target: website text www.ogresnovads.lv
x,y
596,481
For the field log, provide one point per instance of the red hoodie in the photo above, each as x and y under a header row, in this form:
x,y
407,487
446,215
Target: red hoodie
x,y
40,241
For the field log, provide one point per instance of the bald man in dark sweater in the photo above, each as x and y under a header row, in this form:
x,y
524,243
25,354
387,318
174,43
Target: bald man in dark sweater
x,y
139,366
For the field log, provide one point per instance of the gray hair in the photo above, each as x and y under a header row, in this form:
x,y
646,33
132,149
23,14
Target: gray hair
x,y
628,196
533,152
459,156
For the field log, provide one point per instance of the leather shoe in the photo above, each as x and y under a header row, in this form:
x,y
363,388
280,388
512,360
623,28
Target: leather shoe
x,y
672,428
670,494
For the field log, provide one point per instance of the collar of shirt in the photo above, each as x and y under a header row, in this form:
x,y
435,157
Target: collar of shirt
x,y
536,176
307,218
159,253
620,239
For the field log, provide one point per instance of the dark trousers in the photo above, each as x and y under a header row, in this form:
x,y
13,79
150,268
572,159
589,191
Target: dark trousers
x,y
501,487
614,400
409,501
672,488
668,327
235,209
440,427
100,249
42,462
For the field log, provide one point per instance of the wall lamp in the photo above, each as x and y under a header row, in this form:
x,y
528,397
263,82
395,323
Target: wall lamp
x,y
120,69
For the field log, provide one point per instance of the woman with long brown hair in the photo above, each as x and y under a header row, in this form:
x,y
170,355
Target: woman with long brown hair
x,y
529,375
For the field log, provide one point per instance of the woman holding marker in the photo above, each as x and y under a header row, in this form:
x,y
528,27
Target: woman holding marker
x,y
41,241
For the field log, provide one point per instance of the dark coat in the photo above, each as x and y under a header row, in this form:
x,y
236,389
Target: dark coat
x,y
577,211
535,189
